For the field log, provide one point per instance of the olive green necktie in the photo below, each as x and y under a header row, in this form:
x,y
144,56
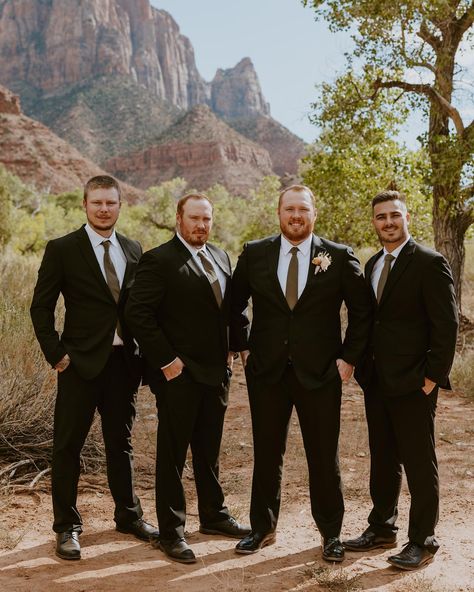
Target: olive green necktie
x,y
211,276
291,291
384,275
112,279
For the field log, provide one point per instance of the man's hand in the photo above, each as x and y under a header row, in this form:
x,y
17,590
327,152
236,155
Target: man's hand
x,y
230,360
243,356
173,370
429,386
345,369
63,363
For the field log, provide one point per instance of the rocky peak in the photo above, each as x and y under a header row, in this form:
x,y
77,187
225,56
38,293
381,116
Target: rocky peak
x,y
236,92
48,46
9,103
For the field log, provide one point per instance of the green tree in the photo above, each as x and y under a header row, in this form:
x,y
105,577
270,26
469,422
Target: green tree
x,y
397,43
355,157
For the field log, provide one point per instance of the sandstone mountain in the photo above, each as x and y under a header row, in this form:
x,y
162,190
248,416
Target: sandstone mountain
x,y
199,147
40,158
110,76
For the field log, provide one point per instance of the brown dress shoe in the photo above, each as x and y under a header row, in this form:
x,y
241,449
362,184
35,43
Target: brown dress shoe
x,y
412,556
67,545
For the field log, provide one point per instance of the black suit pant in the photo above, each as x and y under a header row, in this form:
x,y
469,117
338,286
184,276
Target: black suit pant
x,y
189,413
318,412
112,393
401,433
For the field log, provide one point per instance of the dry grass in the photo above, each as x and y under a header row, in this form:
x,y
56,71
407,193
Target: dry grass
x,y
28,385
334,580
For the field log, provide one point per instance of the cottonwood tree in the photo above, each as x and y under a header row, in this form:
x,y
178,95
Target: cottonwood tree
x,y
417,48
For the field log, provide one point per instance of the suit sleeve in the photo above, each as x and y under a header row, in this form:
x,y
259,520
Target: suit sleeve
x,y
141,312
357,299
441,308
240,294
43,305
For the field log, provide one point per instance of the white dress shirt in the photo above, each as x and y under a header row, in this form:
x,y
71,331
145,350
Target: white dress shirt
x,y
116,255
377,270
304,255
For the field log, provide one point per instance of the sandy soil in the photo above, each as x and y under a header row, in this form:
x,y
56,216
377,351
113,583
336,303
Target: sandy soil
x,y
113,561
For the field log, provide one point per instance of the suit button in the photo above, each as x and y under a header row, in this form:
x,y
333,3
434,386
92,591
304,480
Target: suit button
x,y
377,322
285,342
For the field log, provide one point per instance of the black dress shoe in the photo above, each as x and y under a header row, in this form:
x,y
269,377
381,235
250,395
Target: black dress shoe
x,y
141,529
333,549
67,545
369,540
412,556
255,541
177,550
228,527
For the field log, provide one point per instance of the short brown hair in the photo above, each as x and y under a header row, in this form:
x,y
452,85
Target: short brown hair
x,y
389,195
185,198
298,189
102,182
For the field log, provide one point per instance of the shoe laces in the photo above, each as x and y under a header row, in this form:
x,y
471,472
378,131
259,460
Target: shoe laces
x,y
410,549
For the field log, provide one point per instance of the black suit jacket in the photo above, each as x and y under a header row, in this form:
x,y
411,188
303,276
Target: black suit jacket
x,y
172,312
310,334
70,267
415,324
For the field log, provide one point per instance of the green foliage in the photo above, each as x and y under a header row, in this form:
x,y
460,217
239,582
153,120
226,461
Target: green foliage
x,y
356,158
408,56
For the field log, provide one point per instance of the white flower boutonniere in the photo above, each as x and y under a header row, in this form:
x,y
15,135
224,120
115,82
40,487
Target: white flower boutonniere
x,y
321,262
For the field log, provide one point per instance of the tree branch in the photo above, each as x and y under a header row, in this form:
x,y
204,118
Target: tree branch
x,y
468,135
463,23
432,94
430,38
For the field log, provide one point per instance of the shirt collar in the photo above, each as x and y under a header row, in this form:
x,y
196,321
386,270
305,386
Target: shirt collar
x,y
194,252
304,247
396,252
97,239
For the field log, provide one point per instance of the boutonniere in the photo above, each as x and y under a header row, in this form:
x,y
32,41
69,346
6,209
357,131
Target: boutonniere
x,y
321,262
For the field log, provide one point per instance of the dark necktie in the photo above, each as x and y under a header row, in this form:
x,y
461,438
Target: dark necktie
x,y
291,292
384,275
211,276
112,279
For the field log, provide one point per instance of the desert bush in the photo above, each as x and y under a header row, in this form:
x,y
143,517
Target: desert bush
x,y
28,384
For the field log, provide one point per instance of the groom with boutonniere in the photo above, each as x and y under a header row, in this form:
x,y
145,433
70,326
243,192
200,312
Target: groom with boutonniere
x,y
294,356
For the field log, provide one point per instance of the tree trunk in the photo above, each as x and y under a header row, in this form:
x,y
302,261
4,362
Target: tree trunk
x,y
449,234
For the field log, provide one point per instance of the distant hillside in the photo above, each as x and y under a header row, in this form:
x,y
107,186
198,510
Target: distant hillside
x,y
219,155
40,158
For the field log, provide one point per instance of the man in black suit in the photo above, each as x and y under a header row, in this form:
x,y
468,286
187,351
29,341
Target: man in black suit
x,y
179,312
94,357
410,353
295,357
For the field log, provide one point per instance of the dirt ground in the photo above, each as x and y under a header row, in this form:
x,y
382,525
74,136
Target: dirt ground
x,y
113,561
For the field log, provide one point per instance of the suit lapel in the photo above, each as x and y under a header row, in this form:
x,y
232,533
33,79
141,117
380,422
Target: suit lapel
x,y
273,255
190,261
89,255
186,256
369,268
130,260
398,268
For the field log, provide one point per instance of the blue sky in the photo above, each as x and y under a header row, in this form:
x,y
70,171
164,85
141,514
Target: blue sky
x,y
290,51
